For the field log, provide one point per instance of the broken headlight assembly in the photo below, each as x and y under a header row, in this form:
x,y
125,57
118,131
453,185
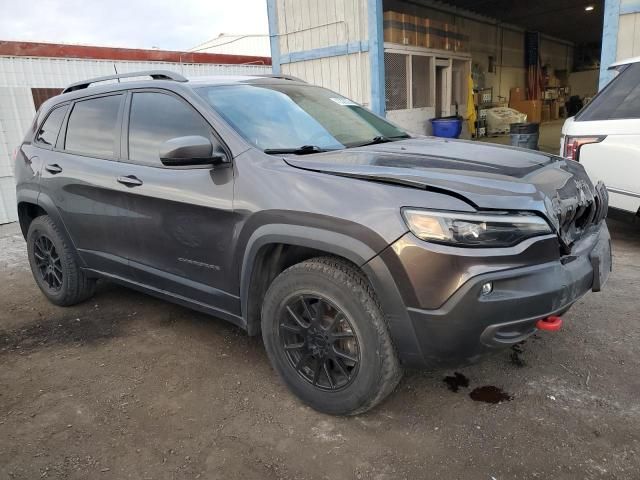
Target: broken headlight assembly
x,y
474,229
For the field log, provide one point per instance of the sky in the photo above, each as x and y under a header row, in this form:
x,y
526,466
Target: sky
x,y
165,24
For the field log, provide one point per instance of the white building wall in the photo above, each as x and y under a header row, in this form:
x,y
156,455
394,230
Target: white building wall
x,y
628,36
305,25
19,74
344,74
257,45
310,24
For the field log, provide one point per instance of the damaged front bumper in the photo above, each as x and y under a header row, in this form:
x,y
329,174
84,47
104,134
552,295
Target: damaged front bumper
x,y
471,323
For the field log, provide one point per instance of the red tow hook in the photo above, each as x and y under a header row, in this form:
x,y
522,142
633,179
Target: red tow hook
x,y
550,324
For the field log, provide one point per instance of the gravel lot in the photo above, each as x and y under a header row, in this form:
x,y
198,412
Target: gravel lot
x,y
128,386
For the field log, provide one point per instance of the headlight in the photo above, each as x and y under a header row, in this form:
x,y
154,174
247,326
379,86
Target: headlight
x,y
474,229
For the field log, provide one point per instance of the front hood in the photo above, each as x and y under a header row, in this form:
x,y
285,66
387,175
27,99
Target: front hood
x,y
487,176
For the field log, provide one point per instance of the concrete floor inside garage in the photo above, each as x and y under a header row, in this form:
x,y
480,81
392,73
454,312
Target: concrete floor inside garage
x,y
128,386
548,142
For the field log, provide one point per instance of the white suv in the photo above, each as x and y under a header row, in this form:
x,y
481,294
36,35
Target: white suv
x,y
605,137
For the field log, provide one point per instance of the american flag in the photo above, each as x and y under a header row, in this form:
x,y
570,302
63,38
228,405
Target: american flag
x,y
535,80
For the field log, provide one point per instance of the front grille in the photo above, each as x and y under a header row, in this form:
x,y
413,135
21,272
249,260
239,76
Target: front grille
x,y
581,211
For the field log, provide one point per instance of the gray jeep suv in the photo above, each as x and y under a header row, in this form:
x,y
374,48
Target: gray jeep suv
x,y
356,249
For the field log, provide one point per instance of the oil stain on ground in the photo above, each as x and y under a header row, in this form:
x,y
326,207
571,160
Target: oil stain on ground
x,y
490,394
63,331
455,381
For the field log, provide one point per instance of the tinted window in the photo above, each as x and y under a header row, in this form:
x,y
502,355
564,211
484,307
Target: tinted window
x,y
619,100
93,127
49,130
156,118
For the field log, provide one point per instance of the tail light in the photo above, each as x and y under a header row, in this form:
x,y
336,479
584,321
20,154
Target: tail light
x,y
572,145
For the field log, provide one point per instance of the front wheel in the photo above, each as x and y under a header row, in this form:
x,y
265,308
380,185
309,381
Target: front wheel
x,y
326,336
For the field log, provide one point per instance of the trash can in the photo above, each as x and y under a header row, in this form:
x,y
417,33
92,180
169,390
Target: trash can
x,y
525,135
446,127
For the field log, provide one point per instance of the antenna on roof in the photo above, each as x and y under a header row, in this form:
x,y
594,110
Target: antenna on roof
x,y
116,70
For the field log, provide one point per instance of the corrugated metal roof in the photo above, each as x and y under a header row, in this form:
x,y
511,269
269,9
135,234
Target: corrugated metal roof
x,y
59,50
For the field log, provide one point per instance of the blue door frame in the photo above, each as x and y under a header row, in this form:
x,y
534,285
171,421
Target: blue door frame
x,y
612,11
374,47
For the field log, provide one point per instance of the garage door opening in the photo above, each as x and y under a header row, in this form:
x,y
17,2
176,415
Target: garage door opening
x,y
516,54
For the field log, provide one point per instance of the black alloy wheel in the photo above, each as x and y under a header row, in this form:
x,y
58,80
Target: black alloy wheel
x,y
54,264
48,263
319,342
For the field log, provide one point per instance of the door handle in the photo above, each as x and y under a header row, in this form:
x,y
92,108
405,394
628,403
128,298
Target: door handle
x,y
53,168
130,181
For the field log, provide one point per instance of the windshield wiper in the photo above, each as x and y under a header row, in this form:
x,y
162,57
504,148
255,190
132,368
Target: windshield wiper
x,y
377,140
303,150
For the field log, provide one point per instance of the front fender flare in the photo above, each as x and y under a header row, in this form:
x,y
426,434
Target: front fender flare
x,y
354,250
334,243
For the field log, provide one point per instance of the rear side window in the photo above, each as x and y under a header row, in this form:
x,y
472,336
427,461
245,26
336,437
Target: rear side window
x,y
156,118
48,133
619,100
92,128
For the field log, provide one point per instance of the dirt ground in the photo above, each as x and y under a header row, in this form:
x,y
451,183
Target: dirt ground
x,y
127,386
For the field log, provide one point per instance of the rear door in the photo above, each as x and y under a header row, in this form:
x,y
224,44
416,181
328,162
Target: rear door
x,y
182,218
79,181
613,119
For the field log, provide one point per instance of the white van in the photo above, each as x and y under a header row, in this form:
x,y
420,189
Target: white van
x,y
605,137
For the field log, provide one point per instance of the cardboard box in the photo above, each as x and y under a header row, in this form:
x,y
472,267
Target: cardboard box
x,y
463,42
532,108
516,94
422,29
553,81
436,34
411,29
405,29
394,28
449,39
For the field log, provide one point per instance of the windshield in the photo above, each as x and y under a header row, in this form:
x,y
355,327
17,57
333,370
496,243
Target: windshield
x,y
289,117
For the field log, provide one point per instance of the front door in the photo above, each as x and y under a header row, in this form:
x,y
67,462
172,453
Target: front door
x,y
182,219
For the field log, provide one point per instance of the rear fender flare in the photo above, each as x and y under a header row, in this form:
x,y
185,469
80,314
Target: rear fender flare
x,y
49,206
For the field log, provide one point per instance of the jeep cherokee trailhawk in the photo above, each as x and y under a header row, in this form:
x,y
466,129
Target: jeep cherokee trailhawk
x,y
354,248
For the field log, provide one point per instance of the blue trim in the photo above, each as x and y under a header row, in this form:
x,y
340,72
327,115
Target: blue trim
x,y
324,52
376,55
629,6
272,14
609,40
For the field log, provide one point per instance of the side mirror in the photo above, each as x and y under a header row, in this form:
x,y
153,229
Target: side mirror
x,y
190,150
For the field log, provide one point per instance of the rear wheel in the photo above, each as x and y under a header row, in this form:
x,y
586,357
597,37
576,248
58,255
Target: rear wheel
x,y
325,335
54,265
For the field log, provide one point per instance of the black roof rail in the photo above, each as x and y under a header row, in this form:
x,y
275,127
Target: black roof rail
x,y
155,74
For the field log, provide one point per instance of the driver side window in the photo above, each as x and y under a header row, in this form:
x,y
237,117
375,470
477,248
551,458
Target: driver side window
x,y
156,118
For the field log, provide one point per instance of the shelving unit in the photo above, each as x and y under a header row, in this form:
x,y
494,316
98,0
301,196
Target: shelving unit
x,y
483,99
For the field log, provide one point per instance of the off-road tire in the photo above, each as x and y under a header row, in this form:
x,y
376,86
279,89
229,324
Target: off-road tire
x,y
342,284
75,285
